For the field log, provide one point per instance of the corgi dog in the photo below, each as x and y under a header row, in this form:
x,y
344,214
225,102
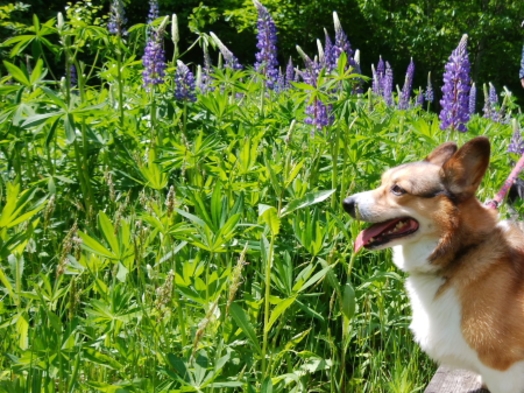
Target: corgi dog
x,y
465,267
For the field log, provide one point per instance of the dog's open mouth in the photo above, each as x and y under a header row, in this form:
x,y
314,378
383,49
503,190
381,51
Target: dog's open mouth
x,y
382,233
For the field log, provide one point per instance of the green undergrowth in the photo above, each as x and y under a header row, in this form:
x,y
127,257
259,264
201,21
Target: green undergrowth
x,y
150,245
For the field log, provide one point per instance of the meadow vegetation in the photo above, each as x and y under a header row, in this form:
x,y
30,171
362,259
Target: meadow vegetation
x,y
188,235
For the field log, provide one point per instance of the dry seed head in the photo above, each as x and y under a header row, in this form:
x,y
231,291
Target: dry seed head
x,y
50,208
108,177
170,201
210,317
67,246
236,278
165,292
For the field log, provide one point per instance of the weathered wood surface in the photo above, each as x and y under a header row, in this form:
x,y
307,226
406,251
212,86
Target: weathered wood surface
x,y
448,380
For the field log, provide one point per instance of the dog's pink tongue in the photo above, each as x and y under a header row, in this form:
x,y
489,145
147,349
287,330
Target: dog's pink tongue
x,y
374,230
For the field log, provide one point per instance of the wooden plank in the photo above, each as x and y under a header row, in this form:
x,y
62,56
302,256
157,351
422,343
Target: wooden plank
x,y
447,380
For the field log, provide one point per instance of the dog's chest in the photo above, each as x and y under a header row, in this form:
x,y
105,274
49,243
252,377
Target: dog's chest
x,y
436,322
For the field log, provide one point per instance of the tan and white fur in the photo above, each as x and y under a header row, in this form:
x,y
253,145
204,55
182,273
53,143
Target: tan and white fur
x,y
466,268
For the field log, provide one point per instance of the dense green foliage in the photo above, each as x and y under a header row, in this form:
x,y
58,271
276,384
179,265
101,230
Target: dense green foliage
x,y
426,30
152,245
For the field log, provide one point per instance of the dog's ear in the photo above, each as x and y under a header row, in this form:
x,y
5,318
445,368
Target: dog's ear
x,y
442,153
464,171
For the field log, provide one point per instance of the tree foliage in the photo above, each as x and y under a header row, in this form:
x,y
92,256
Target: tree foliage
x,y
426,30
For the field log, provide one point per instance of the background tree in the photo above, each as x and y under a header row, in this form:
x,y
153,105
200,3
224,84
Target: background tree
x,y
426,30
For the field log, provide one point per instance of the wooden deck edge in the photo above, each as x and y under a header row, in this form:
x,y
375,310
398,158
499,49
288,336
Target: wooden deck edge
x,y
447,380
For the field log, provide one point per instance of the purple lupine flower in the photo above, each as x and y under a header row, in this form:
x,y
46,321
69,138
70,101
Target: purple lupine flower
x,y
472,102
290,73
230,60
310,73
455,100
184,83
204,80
73,75
117,18
154,60
387,85
491,101
375,84
154,11
280,85
493,97
403,101
330,53
378,77
419,101
341,41
319,114
429,96
266,56
516,144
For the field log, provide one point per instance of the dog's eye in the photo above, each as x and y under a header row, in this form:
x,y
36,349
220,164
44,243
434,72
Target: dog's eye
x,y
397,190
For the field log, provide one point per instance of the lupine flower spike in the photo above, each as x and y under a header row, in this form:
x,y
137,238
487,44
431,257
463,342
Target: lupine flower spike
x,y
341,41
378,77
420,98
403,102
117,18
204,79
154,60
490,106
266,56
472,99
429,94
184,83
330,55
455,101
290,73
516,145
229,57
318,113
320,49
387,85
154,11
175,36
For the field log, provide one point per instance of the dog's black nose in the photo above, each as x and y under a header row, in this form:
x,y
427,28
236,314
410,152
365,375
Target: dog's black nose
x,y
349,206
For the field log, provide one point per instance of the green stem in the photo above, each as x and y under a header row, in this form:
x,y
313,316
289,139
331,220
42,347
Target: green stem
x,y
334,172
265,363
155,134
120,85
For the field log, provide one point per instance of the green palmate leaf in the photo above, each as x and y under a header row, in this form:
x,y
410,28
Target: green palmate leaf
x,y
70,128
241,319
6,283
279,309
311,198
102,359
92,245
314,279
109,232
39,118
17,73
55,98
22,328
269,215
38,72
191,217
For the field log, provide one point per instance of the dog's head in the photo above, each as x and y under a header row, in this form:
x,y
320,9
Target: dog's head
x,y
417,202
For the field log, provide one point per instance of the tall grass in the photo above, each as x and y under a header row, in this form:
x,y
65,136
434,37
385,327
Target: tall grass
x,y
217,259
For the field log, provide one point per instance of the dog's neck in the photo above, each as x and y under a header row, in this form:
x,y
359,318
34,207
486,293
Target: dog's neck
x,y
438,255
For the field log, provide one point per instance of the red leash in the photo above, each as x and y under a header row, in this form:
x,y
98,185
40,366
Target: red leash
x,y
495,202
